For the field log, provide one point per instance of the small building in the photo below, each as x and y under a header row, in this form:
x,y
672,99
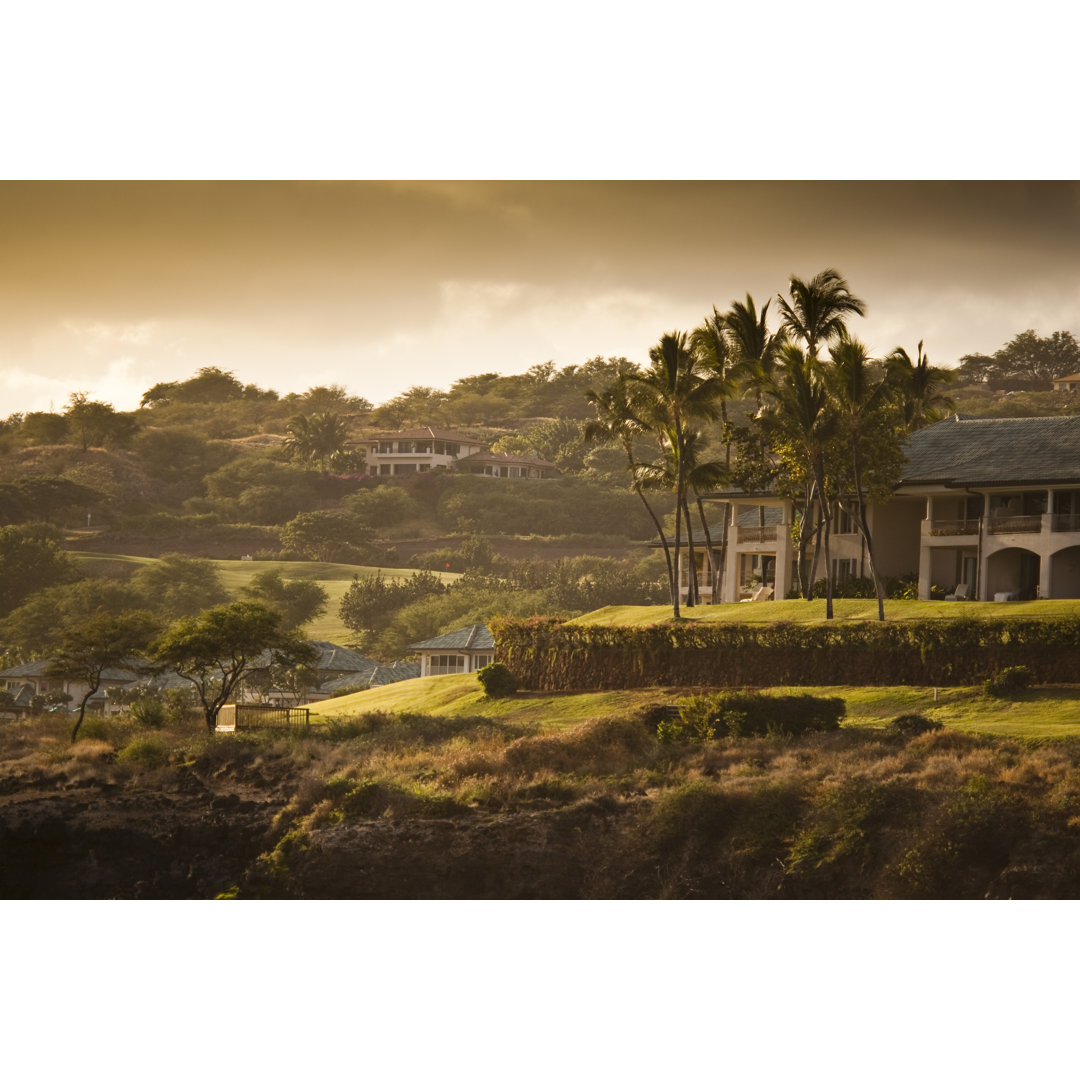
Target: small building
x,y
1068,382
488,463
403,453
460,651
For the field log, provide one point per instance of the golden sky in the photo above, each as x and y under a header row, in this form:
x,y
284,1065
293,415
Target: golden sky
x,y
110,287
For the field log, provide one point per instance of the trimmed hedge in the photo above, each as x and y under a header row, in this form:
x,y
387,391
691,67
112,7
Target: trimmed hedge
x,y
548,654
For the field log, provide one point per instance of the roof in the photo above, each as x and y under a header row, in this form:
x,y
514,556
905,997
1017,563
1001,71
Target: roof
x,y
41,668
1068,378
440,434
379,675
998,452
329,657
476,636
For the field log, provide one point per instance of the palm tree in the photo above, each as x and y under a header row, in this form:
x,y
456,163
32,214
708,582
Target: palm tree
x,y
919,388
617,421
320,440
677,388
755,350
864,403
710,344
800,414
818,309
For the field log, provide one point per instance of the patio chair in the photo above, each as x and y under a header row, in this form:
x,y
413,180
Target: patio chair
x,y
959,593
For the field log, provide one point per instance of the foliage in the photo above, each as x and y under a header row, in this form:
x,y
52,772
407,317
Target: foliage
x,y
1010,682
177,585
497,680
30,560
915,724
371,602
215,649
1027,362
96,423
328,536
298,601
702,717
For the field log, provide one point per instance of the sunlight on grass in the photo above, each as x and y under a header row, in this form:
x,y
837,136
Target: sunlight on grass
x,y
1043,713
813,611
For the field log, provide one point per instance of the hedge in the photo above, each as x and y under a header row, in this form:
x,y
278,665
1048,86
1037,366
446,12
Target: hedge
x,y
548,654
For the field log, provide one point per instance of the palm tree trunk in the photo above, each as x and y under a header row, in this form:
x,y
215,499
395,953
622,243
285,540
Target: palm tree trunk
x,y
678,553
660,532
693,595
713,574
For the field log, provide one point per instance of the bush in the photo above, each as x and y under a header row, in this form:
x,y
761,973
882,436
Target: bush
x,y
497,680
1010,682
144,752
701,718
914,724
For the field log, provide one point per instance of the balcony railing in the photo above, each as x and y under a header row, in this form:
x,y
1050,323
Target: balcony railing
x,y
954,527
756,534
1015,523
1065,523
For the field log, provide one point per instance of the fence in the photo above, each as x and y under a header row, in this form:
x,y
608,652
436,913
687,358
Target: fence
x,y
247,717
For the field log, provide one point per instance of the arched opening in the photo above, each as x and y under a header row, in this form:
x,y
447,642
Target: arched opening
x,y
1065,574
1012,574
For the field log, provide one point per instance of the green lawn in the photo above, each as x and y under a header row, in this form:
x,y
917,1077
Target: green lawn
x,y
1050,712
813,611
335,578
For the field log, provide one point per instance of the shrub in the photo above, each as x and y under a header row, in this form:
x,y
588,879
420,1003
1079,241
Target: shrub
x,y
740,714
497,680
914,724
150,712
144,752
1010,681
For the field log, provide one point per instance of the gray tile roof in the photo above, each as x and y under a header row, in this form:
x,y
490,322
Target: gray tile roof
x,y
476,636
997,452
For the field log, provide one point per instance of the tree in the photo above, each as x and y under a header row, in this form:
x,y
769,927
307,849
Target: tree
x,y
677,389
214,649
327,536
177,585
617,421
802,425
298,601
31,560
95,423
321,440
872,432
89,647
818,309
918,388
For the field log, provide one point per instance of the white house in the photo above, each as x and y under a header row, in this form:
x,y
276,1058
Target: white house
x,y
460,651
991,505
402,453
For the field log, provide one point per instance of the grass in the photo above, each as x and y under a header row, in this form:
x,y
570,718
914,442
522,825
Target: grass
x,y
1047,712
335,578
813,611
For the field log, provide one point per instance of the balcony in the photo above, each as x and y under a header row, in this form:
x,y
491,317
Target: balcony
x,y
954,527
1015,523
756,534
1065,522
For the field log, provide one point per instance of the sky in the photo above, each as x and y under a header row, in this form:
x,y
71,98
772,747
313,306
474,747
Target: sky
x,y
109,287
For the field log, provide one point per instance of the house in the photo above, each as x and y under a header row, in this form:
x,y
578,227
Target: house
x,y
991,504
34,679
402,453
464,650
1068,382
487,463
336,669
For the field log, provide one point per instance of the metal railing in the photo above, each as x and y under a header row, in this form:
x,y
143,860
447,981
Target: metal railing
x,y
954,526
248,717
1015,523
756,534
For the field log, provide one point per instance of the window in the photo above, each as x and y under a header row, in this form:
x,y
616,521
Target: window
x,y
408,467
384,470
844,570
446,665
843,522
386,448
